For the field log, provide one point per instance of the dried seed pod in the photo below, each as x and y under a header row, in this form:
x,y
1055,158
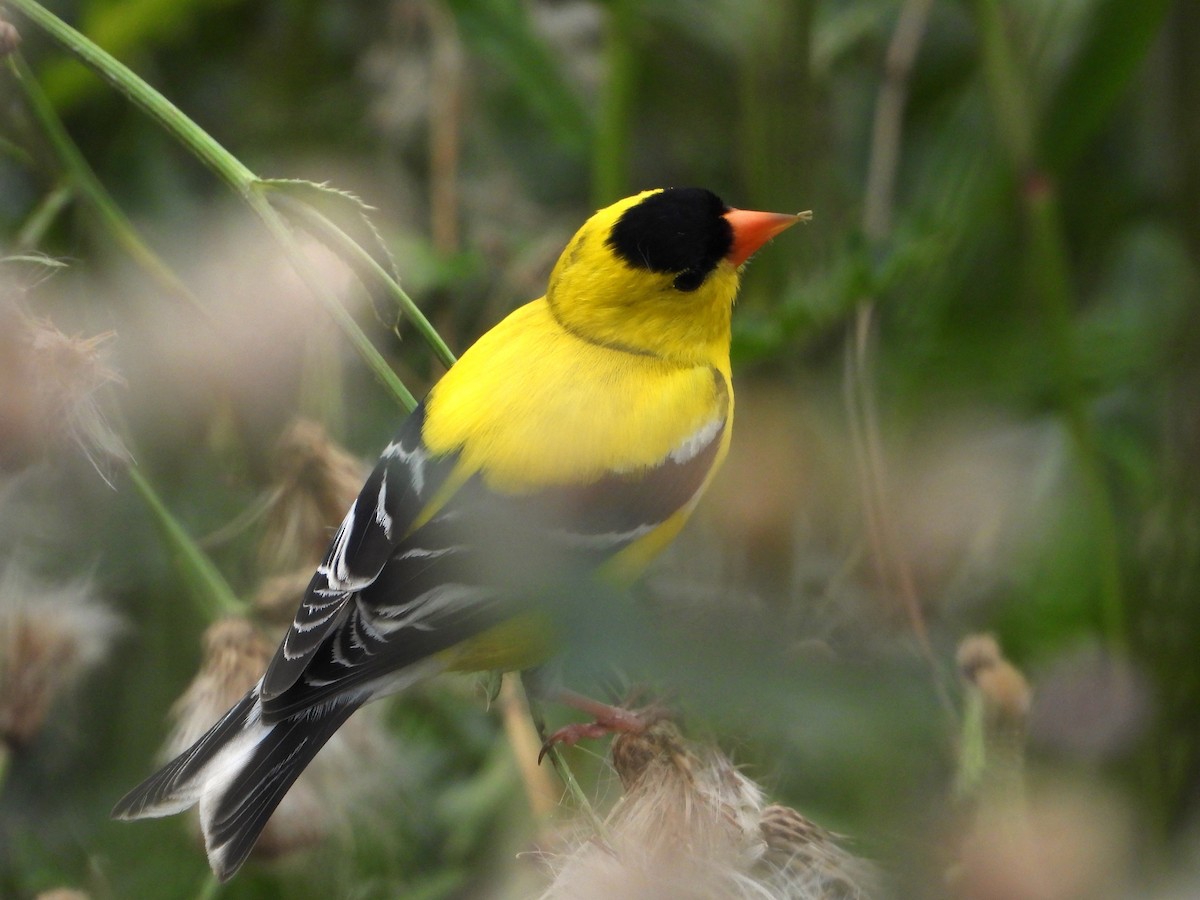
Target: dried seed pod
x,y
316,481
692,825
48,637
54,388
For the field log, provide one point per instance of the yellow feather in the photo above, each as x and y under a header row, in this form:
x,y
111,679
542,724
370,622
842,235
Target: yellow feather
x,y
583,410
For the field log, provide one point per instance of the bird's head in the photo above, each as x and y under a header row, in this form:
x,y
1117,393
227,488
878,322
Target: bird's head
x,y
658,272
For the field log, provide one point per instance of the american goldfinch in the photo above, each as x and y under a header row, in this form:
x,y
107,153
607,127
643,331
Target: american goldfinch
x,y
584,428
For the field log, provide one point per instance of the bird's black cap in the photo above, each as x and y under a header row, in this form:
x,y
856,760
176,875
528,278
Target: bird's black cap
x,y
679,231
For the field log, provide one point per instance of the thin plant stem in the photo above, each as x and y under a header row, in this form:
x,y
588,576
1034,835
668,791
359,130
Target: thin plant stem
x,y
1006,87
16,153
5,757
214,592
445,126
39,221
210,889
554,754
610,151
1053,287
893,569
777,119
243,521
524,739
853,390
888,123
279,229
321,394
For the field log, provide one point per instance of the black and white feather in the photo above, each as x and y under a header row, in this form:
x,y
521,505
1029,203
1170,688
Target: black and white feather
x,y
388,599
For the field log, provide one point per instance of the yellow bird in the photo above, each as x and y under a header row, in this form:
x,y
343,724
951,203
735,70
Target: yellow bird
x,y
580,432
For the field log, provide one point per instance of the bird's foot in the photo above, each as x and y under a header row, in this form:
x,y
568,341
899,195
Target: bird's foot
x,y
607,719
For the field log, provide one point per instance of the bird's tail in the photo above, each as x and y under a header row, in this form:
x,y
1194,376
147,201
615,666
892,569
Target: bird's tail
x,y
238,772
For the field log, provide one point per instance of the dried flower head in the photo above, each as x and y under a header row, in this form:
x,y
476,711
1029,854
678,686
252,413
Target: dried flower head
x,y
315,483
1005,692
691,825
54,385
277,597
63,894
800,852
235,655
49,636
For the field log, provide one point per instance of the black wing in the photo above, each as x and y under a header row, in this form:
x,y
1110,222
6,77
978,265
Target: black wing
x,y
389,596
398,489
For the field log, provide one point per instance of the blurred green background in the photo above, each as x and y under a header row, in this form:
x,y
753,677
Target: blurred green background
x,y
969,392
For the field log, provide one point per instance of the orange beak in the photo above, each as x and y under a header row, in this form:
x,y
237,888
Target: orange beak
x,y
753,229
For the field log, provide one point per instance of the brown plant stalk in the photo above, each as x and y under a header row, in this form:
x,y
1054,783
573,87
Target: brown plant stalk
x,y
892,568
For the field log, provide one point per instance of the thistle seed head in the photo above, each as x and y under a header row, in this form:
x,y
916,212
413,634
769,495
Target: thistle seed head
x,y
49,636
315,481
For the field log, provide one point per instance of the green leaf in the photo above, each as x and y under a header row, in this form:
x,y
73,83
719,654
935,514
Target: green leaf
x,y
1119,37
348,211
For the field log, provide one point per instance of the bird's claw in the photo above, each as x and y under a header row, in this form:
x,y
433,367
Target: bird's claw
x,y
570,735
609,720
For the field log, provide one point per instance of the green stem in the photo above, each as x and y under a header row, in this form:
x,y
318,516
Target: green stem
x,y
860,384
225,165
1009,94
43,216
561,767
563,770
610,163
1051,279
16,153
211,587
84,178
210,889
972,747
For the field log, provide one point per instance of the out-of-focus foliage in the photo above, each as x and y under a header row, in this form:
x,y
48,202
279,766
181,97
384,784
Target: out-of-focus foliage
x,y
968,402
